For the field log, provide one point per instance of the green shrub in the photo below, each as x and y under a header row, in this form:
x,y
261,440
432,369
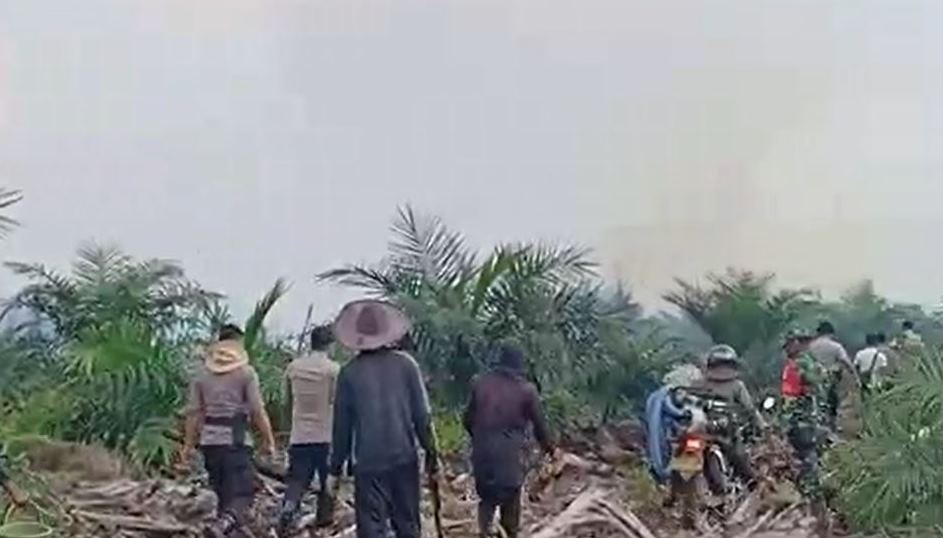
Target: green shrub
x,y
450,433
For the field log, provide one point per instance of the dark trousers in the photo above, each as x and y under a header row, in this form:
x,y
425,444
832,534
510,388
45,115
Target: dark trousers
x,y
232,478
385,498
804,440
508,501
304,461
736,454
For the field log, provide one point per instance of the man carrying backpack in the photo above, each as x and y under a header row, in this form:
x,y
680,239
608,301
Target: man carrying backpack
x,y
871,364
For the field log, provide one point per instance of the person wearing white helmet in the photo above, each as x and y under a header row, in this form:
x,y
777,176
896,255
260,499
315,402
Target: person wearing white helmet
x,y
722,380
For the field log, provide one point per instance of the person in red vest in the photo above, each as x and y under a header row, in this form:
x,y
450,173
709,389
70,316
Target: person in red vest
x,y
802,409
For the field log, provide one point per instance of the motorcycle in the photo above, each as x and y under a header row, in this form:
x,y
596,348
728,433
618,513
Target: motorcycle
x,y
700,446
687,462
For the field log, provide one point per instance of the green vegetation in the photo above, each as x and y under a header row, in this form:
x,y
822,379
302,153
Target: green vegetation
x,y
893,477
107,349
102,353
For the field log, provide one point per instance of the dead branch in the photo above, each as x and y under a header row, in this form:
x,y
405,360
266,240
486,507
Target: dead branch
x,y
132,523
593,508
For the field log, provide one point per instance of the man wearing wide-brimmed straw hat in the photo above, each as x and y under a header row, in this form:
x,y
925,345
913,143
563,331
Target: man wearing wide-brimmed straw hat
x,y
224,397
381,410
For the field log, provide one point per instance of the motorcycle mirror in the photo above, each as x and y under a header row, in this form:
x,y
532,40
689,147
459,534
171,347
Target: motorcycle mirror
x,y
769,403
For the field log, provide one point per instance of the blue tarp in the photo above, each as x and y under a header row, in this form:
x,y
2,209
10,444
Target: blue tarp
x,y
661,418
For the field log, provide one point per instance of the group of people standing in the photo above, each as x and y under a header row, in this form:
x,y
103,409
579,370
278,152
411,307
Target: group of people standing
x,y
370,417
822,390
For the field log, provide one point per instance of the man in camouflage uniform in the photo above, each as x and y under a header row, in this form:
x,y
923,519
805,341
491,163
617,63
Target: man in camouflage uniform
x,y
804,410
722,380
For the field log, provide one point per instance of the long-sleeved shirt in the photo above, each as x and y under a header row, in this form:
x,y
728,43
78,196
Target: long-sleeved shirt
x,y
381,411
499,411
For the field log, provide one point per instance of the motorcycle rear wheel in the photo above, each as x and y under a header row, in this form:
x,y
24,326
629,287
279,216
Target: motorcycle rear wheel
x,y
715,472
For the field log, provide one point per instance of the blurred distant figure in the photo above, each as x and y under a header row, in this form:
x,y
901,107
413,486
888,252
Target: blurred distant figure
x,y
826,349
909,341
842,385
893,361
871,363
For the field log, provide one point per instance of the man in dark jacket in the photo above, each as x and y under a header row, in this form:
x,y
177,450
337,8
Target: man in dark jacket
x,y
380,412
502,405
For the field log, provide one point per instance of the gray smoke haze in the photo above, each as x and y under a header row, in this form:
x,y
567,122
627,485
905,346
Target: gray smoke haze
x,y
252,139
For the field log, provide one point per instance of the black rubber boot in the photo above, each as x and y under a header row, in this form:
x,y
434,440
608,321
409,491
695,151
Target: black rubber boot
x,y
286,520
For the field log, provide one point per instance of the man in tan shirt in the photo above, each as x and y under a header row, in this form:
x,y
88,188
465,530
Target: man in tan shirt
x,y
311,383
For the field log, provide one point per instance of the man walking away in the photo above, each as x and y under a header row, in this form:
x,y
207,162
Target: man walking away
x,y
223,398
831,355
311,388
909,342
722,380
826,349
893,358
802,391
871,363
381,411
502,406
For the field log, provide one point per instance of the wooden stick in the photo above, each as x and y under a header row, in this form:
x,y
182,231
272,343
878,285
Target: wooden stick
x,y
133,523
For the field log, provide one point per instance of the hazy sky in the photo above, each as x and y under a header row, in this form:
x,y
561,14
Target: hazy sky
x,y
252,139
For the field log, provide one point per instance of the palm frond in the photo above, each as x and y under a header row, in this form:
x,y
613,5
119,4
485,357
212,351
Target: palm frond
x,y
488,274
375,281
425,246
100,263
551,263
7,199
262,309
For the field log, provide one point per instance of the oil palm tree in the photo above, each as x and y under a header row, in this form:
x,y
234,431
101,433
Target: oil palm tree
x,y
892,477
542,296
106,286
118,334
742,309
